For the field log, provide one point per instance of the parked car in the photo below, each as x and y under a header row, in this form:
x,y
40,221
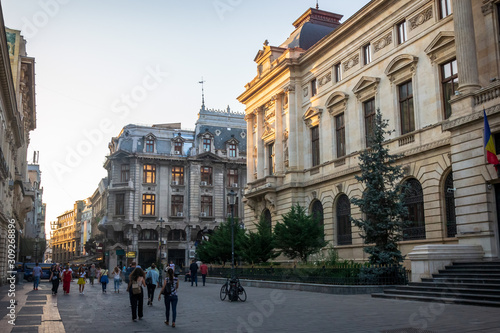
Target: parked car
x,y
28,271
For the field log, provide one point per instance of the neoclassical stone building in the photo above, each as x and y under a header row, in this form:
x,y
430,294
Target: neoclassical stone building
x,y
179,176
17,120
430,66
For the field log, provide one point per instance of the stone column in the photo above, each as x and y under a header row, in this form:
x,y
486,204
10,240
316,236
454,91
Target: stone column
x,y
261,154
468,77
293,132
250,119
278,135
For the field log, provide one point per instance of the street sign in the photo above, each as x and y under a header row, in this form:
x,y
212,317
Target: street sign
x,y
131,254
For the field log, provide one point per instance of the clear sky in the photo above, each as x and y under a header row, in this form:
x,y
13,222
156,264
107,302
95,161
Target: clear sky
x,y
101,65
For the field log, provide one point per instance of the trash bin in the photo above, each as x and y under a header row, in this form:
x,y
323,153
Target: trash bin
x,y
19,277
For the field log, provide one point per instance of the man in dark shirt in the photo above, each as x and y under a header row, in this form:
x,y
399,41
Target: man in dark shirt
x,y
193,268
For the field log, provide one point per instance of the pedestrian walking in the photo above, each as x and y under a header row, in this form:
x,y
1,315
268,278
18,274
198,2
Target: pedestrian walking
x,y
169,291
204,272
92,274
193,268
81,279
152,277
37,273
136,293
116,278
55,277
104,278
66,278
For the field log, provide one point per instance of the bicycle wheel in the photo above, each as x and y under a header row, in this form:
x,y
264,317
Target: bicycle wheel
x,y
242,295
223,292
233,294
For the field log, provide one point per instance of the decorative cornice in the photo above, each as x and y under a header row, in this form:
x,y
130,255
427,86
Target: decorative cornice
x,y
470,118
420,18
487,7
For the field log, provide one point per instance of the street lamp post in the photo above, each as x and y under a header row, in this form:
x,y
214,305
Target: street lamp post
x,y
231,197
36,248
161,224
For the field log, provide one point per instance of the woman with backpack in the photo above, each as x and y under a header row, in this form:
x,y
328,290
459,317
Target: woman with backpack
x,y
55,276
136,294
169,290
104,278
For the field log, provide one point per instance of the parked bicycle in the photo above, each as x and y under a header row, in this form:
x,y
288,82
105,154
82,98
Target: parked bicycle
x,y
233,289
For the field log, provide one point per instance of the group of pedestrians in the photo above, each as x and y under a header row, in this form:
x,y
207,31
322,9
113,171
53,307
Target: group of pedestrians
x,y
58,274
151,279
193,273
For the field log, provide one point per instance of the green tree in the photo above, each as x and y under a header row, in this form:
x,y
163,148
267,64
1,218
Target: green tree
x,y
259,245
382,201
299,235
218,247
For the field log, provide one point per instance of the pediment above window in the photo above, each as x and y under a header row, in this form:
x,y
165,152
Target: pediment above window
x,y
366,87
206,134
178,138
232,141
150,136
312,116
337,102
401,68
442,47
269,133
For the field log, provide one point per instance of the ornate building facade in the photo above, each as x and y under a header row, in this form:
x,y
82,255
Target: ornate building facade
x,y
180,177
17,119
431,67
65,240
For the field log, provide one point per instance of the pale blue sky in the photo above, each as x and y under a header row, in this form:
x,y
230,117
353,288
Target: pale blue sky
x,y
101,65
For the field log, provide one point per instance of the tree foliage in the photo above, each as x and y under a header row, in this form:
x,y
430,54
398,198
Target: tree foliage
x,y
299,234
218,247
259,245
382,202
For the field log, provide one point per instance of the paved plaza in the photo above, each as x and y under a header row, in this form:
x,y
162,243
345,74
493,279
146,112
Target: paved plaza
x,y
266,310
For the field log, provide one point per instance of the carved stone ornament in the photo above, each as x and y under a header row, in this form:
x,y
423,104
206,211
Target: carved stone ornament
x,y
487,7
288,88
306,91
421,18
325,79
382,42
351,63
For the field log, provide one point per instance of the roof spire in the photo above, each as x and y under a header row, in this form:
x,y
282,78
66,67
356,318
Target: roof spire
x,y
202,94
317,6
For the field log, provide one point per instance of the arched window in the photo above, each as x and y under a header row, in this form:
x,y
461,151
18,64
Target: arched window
x,y
414,201
449,201
148,234
344,235
177,235
267,217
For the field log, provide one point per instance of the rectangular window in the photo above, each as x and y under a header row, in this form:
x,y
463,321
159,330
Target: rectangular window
x,y
402,36
340,134
444,8
232,150
206,175
178,175
125,173
313,88
369,113
367,55
235,208
270,158
178,148
405,91
148,204
338,72
449,83
232,177
207,144
149,173
206,205
120,204
150,144
177,205
315,145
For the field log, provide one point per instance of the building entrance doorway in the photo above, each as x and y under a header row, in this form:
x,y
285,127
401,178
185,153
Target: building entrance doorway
x,y
146,258
178,256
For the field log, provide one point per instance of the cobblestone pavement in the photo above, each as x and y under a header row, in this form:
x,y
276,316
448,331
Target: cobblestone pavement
x,y
266,310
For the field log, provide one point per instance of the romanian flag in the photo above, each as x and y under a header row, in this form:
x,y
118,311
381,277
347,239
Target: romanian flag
x,y
489,145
